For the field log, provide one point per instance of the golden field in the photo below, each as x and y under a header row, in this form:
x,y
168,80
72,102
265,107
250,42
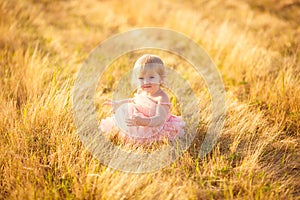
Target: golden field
x,y
254,44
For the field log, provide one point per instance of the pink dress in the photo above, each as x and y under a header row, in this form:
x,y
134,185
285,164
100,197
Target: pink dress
x,y
142,106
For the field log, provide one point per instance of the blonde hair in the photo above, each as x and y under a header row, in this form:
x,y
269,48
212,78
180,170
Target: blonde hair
x,y
146,62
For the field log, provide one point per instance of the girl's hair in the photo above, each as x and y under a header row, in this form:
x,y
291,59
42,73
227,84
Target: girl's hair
x,y
148,61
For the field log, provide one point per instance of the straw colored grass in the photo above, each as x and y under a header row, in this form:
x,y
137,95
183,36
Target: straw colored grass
x,y
255,45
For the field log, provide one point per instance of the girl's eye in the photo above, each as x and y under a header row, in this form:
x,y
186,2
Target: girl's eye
x,y
141,78
151,77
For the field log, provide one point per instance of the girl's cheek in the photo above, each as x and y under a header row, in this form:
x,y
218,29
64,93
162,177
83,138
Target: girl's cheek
x,y
140,83
155,81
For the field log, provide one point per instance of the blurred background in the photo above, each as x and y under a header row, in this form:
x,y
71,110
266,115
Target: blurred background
x,y
254,44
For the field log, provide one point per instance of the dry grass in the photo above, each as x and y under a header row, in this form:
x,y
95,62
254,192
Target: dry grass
x,y
255,46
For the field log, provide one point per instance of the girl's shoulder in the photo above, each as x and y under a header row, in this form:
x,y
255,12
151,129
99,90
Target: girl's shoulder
x,y
162,98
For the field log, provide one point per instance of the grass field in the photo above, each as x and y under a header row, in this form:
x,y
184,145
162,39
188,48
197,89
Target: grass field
x,y
256,47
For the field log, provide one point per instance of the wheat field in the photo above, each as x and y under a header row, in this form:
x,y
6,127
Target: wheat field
x,y
254,44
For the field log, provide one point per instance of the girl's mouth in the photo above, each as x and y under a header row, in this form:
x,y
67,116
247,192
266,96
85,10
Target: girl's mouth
x,y
146,86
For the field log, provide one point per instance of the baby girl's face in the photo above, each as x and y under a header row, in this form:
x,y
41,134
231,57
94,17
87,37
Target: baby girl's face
x,y
149,81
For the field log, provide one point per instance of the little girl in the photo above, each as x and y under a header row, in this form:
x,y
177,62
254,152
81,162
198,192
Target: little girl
x,y
145,117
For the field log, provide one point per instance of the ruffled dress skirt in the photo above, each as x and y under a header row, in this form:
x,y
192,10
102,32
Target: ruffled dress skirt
x,y
142,106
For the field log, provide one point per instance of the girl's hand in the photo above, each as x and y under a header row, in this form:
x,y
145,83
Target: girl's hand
x,y
135,121
114,104
108,102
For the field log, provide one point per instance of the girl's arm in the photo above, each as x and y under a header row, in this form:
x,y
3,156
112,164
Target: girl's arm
x,y
116,104
157,120
160,117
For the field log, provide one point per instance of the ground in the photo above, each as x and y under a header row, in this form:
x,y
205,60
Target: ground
x,y
255,46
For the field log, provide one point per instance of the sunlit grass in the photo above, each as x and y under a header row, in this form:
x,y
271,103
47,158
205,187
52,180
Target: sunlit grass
x,y
255,46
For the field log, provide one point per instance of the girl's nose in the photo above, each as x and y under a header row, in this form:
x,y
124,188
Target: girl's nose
x,y
146,81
